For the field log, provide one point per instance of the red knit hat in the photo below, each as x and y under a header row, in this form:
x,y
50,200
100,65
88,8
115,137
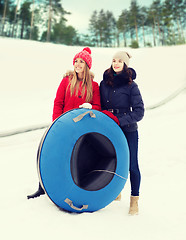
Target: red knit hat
x,y
85,54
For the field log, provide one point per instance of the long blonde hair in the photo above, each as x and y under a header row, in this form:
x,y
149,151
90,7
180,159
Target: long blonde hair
x,y
86,84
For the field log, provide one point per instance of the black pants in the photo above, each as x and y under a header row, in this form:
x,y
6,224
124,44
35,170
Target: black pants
x,y
135,176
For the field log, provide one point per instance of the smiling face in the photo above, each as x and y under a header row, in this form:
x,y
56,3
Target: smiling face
x,y
117,65
79,65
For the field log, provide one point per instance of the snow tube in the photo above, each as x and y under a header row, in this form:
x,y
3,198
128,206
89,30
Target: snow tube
x,y
83,161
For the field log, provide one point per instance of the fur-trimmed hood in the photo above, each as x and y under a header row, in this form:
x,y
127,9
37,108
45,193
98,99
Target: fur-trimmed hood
x,y
71,72
119,79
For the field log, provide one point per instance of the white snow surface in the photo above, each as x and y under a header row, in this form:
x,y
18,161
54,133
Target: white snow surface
x,y
30,73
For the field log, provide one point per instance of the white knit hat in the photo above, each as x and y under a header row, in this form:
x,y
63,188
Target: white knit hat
x,y
124,56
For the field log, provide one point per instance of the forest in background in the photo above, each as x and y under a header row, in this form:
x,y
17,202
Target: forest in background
x,y
162,23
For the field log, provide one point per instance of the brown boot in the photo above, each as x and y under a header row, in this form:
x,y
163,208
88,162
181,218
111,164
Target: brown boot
x,y
118,197
134,205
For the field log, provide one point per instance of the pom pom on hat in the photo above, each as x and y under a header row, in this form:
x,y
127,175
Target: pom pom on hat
x,y
87,49
85,54
124,56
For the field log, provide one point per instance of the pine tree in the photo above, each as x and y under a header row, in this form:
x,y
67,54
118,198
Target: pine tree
x,y
134,18
55,10
32,19
15,17
109,29
179,7
1,7
167,17
4,16
143,22
93,28
25,17
123,25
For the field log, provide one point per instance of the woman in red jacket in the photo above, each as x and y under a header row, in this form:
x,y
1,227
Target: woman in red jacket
x,y
76,90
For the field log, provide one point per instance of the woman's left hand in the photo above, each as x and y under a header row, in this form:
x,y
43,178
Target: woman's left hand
x,y
86,105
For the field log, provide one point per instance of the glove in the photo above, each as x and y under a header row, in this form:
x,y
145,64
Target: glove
x,y
109,114
86,105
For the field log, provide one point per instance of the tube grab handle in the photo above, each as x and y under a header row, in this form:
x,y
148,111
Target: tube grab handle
x,y
70,203
78,118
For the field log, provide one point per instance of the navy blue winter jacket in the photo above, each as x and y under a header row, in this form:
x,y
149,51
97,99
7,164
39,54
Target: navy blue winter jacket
x,y
123,100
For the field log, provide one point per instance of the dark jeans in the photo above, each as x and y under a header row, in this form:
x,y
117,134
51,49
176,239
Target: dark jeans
x,y
135,176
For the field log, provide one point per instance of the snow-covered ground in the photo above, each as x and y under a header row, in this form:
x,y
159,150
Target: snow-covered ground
x,y
30,73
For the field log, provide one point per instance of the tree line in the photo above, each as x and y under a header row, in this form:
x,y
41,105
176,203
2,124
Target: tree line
x,y
42,20
162,23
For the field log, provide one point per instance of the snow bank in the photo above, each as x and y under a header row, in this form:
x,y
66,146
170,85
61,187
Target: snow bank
x,y
30,74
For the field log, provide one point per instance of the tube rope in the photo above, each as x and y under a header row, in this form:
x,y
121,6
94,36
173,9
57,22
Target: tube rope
x,y
107,171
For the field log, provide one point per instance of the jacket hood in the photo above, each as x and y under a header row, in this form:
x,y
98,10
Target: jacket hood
x,y
71,72
119,79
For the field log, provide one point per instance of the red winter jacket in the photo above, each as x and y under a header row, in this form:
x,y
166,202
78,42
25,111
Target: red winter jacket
x,y
65,102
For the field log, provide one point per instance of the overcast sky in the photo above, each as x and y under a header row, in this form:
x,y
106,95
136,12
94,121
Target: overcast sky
x,y
81,10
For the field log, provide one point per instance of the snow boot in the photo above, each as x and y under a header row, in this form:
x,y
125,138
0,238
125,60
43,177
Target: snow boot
x,y
118,197
38,193
134,205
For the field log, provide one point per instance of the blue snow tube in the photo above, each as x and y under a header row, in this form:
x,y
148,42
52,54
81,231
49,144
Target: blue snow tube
x,y
83,161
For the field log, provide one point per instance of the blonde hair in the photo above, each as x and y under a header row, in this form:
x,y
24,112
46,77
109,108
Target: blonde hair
x,y
86,84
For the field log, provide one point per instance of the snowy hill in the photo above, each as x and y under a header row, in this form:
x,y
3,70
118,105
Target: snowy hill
x,y
29,76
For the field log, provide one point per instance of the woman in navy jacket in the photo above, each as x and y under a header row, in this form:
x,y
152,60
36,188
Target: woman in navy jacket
x,y
120,95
